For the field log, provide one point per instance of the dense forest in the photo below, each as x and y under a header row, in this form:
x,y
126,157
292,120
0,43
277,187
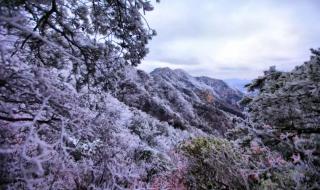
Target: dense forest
x,y
75,113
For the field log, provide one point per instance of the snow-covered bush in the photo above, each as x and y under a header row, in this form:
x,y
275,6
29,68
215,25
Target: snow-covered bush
x,y
214,163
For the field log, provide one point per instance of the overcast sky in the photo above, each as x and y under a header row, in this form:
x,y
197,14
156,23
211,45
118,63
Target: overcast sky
x,y
232,38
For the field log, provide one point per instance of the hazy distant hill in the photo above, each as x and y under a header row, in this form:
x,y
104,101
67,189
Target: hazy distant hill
x,y
238,84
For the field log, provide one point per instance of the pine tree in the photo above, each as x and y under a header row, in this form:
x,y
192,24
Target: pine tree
x,y
88,38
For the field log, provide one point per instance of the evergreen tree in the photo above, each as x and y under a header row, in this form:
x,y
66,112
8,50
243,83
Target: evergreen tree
x,y
86,37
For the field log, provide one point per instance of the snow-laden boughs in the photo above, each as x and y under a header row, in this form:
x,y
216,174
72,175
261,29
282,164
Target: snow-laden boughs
x,y
87,37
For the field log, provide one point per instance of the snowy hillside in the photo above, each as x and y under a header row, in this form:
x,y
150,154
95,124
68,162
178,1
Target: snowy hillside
x,y
144,135
75,113
50,139
55,139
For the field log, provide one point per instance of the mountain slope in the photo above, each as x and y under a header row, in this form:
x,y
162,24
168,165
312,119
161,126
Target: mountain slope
x,y
180,99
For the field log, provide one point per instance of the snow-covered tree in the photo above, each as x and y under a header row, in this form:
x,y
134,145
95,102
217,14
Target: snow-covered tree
x,y
285,118
288,100
87,38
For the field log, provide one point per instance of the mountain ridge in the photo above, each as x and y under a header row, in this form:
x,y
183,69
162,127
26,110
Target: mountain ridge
x,y
180,99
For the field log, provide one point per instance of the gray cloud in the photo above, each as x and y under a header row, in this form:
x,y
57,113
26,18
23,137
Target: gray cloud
x,y
280,59
224,38
226,69
181,60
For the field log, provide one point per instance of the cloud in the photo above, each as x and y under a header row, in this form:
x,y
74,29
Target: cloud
x,y
206,37
227,69
181,60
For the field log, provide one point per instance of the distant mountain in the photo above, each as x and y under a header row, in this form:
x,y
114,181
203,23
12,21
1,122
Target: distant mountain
x,y
222,89
238,84
182,100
